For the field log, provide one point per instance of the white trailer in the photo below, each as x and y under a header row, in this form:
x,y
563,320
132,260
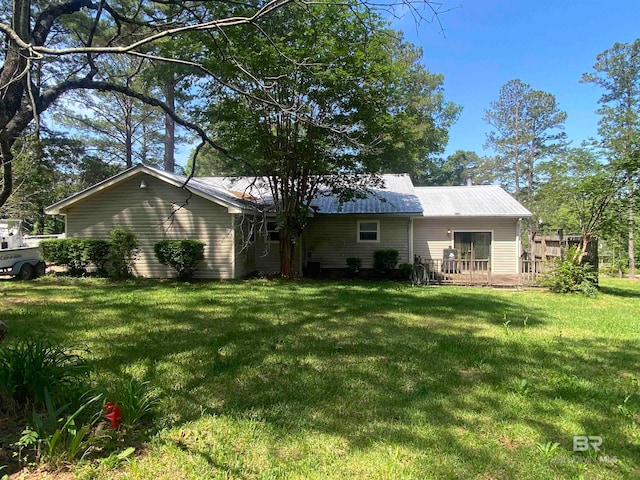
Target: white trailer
x,y
18,257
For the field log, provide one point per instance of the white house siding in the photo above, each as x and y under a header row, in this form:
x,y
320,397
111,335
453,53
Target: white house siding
x,y
148,213
331,240
430,238
245,249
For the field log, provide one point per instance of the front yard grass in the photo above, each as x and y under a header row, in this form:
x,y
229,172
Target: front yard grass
x,y
268,379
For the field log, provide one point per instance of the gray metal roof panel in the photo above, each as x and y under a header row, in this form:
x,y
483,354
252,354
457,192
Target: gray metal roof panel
x,y
469,201
396,197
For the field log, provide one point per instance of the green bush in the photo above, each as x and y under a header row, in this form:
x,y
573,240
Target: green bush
x,y
97,252
568,276
31,367
406,269
123,252
384,261
354,264
182,255
76,253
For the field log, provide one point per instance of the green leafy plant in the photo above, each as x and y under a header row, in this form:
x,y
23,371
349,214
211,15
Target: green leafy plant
x,y
523,387
548,449
507,325
182,255
65,437
354,264
112,461
123,252
137,401
384,261
30,367
568,276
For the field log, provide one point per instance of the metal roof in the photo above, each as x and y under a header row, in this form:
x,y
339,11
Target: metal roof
x,y
211,192
397,197
469,201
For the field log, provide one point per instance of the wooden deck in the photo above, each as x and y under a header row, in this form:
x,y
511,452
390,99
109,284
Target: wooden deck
x,y
478,272
495,280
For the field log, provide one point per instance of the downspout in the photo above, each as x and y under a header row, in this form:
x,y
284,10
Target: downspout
x,y
519,246
410,242
233,245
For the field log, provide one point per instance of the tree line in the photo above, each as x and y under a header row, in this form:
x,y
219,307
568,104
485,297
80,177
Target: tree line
x,y
590,189
299,94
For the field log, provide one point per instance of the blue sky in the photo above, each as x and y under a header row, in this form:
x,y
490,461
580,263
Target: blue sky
x,y
547,44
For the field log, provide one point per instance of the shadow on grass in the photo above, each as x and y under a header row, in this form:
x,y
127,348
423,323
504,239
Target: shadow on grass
x,y
620,292
369,362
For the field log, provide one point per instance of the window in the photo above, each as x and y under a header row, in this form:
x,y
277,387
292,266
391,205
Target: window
x,y
273,235
368,231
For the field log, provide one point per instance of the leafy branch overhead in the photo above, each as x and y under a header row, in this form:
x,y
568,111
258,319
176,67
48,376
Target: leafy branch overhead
x,y
53,48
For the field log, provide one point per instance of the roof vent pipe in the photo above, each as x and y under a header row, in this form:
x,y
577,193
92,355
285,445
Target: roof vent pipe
x,y
468,181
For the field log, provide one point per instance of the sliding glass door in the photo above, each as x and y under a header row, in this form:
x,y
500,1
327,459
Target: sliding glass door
x,y
474,249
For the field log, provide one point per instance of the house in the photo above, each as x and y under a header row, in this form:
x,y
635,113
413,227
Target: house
x,y
480,222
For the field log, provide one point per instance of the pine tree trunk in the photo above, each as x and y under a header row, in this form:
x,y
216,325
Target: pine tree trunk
x,y
631,220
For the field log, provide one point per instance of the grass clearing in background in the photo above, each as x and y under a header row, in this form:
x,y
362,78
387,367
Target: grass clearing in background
x,y
315,379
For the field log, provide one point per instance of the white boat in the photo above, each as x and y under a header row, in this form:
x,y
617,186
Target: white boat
x,y
18,257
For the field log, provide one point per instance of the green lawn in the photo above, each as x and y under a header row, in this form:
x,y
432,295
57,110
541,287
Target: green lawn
x,y
267,379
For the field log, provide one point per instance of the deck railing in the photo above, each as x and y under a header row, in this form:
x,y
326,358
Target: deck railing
x,y
532,270
478,272
458,271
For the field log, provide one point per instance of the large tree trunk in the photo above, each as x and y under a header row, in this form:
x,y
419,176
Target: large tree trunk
x,y
288,253
170,126
632,225
583,247
13,82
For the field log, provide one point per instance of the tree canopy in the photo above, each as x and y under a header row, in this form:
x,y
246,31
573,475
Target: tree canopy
x,y
333,98
527,126
617,71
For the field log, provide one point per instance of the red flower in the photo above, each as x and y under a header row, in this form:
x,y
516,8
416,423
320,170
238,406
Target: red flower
x,y
112,413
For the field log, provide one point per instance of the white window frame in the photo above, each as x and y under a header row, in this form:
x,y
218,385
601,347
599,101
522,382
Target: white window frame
x,y
358,231
270,231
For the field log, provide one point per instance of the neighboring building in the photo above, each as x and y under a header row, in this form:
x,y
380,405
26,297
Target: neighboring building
x,y
479,222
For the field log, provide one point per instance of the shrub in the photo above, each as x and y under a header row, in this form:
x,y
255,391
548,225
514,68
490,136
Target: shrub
x,y
406,269
31,367
75,253
123,252
568,276
384,261
182,255
354,264
97,252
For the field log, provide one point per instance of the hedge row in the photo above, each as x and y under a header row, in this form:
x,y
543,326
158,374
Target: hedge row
x,y
77,254
115,257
